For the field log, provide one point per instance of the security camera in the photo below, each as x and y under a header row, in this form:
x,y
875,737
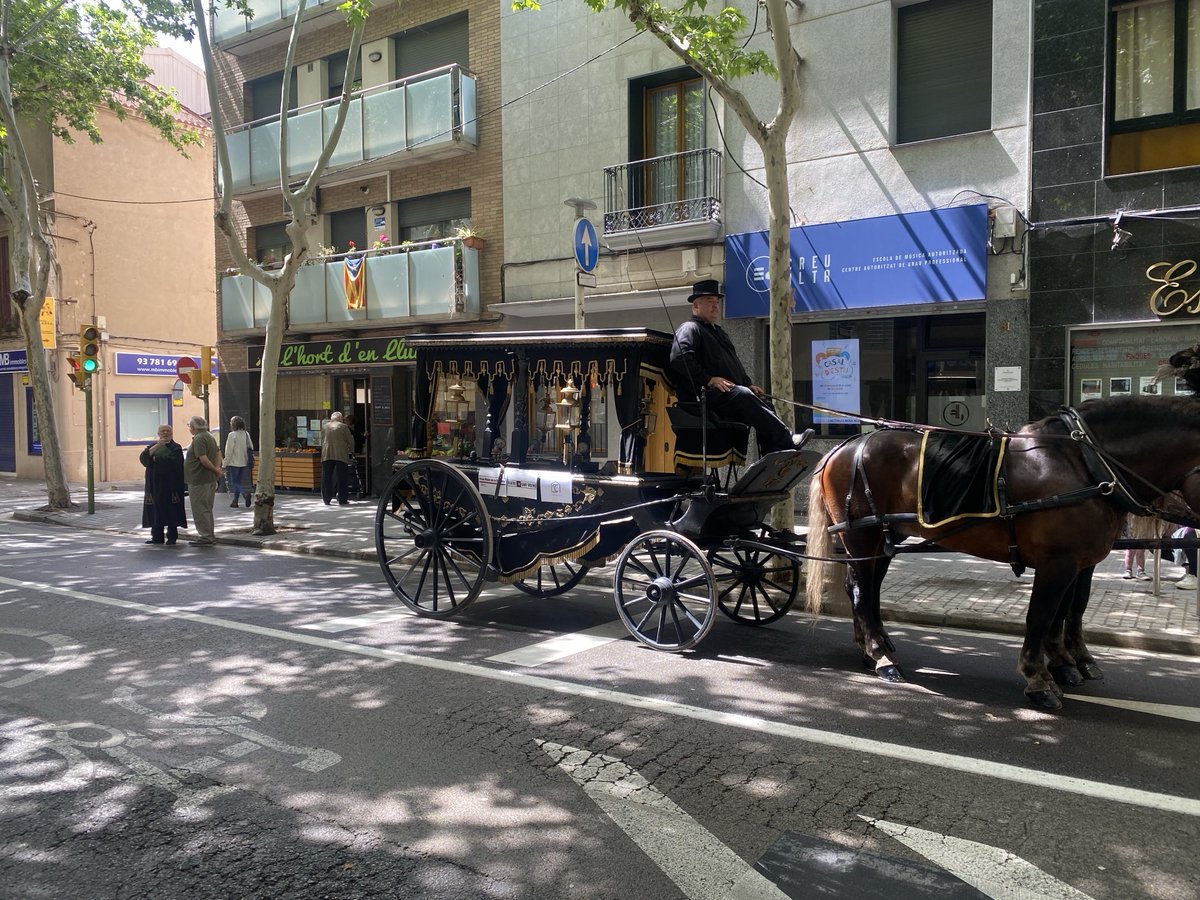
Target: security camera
x,y
366,189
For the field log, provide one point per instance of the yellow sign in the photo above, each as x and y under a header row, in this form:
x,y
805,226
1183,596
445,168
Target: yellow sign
x,y
46,320
1170,296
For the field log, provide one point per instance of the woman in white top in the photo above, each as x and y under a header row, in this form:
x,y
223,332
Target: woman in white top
x,y
239,451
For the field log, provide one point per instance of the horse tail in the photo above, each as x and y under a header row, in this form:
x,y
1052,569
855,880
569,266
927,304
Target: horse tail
x,y
817,568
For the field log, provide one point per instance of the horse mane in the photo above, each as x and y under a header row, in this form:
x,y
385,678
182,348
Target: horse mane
x,y
1135,415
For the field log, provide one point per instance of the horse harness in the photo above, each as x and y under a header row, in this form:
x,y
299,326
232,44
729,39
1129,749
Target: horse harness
x,y
1100,466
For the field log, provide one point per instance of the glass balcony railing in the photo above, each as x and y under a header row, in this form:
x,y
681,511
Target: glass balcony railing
x,y
229,23
430,281
427,115
680,189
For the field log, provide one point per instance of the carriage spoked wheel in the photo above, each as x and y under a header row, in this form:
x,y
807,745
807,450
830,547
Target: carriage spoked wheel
x,y
664,589
552,579
755,587
433,537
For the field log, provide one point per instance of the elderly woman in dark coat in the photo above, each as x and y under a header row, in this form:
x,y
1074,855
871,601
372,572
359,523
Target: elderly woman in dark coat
x,y
163,507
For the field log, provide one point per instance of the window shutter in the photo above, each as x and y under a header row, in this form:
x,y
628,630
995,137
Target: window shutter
x,y
431,47
434,208
944,69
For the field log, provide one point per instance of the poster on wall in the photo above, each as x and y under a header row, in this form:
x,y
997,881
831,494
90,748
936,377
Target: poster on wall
x,y
835,374
1147,384
1120,387
1090,389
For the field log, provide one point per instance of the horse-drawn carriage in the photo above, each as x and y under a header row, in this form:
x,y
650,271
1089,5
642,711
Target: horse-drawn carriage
x,y
561,452
533,491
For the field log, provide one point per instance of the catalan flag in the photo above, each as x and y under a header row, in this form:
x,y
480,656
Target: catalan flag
x,y
355,279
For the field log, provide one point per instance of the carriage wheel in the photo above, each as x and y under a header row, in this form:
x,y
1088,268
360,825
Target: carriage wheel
x,y
552,579
754,586
664,589
433,537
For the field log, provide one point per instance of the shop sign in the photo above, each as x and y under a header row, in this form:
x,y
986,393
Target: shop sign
x,y
1172,296
141,363
353,352
13,361
46,322
935,256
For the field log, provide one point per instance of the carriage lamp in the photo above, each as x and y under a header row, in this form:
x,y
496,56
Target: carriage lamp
x,y
546,417
455,401
568,401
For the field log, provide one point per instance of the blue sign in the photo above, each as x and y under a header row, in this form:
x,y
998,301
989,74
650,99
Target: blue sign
x,y
13,361
152,364
587,248
937,256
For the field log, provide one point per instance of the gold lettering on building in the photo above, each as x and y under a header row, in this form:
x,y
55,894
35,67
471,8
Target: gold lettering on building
x,y
1171,296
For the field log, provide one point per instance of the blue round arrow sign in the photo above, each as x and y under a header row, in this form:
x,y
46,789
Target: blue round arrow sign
x,y
587,247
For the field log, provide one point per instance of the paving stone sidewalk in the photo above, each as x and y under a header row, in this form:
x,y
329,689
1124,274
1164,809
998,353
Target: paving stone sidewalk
x,y
943,589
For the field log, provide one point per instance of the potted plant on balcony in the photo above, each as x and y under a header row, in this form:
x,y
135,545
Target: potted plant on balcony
x,y
470,237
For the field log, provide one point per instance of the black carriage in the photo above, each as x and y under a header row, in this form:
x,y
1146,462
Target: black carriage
x,y
537,456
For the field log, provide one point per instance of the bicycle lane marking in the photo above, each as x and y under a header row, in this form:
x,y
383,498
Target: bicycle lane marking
x,y
1035,778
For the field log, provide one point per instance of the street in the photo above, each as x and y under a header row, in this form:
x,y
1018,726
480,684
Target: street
x,y
234,722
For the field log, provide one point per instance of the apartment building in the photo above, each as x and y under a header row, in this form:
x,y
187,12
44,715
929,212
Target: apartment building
x,y
414,180
908,172
1116,197
131,222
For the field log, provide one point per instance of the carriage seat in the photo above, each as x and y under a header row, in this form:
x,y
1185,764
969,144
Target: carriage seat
x,y
727,440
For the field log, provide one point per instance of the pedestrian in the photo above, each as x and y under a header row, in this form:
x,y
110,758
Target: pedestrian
x,y
162,508
1138,528
239,457
1186,557
705,356
201,469
337,454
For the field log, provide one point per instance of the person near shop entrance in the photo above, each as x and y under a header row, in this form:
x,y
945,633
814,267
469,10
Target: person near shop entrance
x,y
238,450
163,505
201,469
704,355
337,455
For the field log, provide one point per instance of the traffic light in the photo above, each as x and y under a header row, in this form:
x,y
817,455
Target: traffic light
x,y
89,349
77,377
206,361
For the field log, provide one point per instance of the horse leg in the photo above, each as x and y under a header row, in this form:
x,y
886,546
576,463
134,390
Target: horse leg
x,y
880,643
1050,584
1073,631
863,581
1059,660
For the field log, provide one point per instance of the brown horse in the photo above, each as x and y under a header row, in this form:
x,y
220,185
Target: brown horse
x,y
1062,516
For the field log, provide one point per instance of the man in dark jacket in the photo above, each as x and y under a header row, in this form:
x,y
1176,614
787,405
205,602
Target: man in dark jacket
x,y
704,356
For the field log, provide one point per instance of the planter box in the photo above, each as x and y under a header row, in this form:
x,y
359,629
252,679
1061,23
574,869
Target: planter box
x,y
295,470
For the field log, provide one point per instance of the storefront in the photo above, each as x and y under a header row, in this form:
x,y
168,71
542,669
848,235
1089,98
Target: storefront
x,y
369,380
889,317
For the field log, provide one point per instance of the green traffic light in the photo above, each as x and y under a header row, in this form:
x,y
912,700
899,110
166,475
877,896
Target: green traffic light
x,y
90,365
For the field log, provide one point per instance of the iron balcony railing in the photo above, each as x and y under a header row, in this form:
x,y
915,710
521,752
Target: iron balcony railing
x,y
426,115
429,281
676,189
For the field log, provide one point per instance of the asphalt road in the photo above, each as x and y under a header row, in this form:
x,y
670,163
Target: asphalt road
x,y
236,723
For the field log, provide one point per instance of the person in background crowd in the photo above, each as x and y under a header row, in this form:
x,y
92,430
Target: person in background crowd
x,y
238,459
201,469
1186,556
337,454
163,505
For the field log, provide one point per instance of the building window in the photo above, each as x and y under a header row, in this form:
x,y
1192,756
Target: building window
x,y
433,217
346,226
336,68
140,415
943,69
271,244
264,96
1154,70
431,46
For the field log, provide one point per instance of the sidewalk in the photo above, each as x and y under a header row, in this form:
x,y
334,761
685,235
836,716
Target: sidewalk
x,y
941,589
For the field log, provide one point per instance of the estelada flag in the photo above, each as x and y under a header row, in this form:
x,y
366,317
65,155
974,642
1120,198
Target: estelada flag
x,y
355,279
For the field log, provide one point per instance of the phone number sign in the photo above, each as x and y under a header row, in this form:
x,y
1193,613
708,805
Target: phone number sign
x,y
150,364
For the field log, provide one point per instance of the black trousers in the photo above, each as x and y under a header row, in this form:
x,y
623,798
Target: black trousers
x,y
742,405
335,478
156,534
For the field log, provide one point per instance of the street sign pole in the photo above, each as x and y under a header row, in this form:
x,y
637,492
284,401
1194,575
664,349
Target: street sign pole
x,y
587,250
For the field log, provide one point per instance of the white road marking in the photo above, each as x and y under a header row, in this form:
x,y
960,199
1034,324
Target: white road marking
x,y
690,855
1187,713
10,558
990,870
366,620
63,650
1039,780
563,645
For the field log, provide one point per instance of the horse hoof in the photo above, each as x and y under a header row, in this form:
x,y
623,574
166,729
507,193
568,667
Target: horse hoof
x,y
890,673
1068,675
1090,671
1044,699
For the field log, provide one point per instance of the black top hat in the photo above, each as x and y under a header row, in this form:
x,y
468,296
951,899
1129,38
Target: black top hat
x,y
709,287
